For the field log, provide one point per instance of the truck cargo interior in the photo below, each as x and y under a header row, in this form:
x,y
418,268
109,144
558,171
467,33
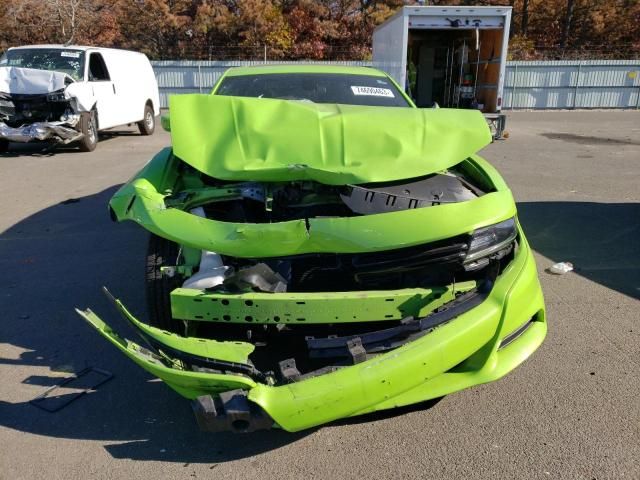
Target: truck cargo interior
x,y
455,68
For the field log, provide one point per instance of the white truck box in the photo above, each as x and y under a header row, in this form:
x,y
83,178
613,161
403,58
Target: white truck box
x,y
452,56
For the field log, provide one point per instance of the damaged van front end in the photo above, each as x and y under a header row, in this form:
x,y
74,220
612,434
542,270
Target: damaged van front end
x,y
320,261
40,105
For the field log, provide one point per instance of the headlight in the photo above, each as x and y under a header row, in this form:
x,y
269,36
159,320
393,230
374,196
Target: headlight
x,y
57,96
488,240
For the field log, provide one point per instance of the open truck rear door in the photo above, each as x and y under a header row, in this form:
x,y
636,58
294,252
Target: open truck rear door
x,y
454,57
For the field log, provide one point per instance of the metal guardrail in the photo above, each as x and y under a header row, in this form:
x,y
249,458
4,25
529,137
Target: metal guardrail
x,y
562,84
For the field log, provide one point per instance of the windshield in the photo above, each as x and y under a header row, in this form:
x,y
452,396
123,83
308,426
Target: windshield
x,y
317,88
65,60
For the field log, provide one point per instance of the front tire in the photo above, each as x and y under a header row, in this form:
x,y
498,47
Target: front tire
x,y
148,123
89,129
161,253
4,146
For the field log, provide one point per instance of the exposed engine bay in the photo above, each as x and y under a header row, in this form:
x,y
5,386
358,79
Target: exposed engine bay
x,y
433,282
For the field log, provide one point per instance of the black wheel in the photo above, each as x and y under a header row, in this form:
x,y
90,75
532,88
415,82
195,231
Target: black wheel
x,y
4,146
161,253
148,124
89,129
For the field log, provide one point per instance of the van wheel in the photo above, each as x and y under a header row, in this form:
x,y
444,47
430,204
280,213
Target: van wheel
x,y
161,253
89,129
148,123
4,146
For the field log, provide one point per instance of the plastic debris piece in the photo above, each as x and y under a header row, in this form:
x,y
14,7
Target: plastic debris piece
x,y
560,268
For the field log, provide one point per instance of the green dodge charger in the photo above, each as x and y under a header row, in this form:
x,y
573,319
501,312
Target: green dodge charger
x,y
320,248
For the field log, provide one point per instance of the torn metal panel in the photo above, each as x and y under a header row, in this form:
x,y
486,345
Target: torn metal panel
x,y
63,132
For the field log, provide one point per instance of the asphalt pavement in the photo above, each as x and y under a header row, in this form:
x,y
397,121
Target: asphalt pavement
x,y
571,411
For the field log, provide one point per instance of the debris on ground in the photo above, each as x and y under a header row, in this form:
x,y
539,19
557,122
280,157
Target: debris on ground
x,y
560,268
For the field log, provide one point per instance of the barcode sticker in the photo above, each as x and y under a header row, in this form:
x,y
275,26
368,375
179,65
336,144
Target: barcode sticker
x,y
372,91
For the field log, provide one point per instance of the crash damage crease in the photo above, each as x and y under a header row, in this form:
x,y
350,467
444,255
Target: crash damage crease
x,y
306,286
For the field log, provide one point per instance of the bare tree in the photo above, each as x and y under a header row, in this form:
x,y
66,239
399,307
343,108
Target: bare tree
x,y
67,12
566,25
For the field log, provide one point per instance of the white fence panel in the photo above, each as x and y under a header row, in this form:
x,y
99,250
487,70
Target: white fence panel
x,y
528,85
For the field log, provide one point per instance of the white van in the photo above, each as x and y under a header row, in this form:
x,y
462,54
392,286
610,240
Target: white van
x,y
68,94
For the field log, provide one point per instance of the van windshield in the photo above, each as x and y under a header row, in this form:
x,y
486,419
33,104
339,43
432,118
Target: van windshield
x,y
62,60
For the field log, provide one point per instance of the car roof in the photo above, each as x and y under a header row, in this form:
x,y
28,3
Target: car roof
x,y
338,69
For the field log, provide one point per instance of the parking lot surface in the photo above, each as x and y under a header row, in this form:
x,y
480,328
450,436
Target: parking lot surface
x,y
570,411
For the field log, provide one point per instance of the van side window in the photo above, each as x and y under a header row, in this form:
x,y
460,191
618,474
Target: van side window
x,y
97,69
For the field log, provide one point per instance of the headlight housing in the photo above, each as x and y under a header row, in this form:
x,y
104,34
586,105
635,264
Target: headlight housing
x,y
489,240
57,96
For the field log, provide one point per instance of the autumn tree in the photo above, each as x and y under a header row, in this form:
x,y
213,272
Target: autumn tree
x,y
302,29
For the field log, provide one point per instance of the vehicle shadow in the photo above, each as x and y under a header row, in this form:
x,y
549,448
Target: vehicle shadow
x,y
59,258
387,414
54,261
600,239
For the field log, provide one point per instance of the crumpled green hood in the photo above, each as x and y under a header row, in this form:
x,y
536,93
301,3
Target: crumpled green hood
x,y
237,138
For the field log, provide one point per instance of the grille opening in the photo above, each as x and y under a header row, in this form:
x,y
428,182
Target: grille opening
x,y
518,332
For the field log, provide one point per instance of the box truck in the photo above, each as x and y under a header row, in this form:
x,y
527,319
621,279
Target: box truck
x,y
454,57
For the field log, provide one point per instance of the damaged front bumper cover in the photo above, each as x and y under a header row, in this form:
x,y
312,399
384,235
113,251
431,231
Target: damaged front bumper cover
x,y
466,348
61,132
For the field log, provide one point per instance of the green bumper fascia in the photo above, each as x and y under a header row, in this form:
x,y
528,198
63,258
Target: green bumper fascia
x,y
457,355
142,200
460,354
187,383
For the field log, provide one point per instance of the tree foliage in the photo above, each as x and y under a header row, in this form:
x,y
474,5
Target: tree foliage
x,y
300,29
